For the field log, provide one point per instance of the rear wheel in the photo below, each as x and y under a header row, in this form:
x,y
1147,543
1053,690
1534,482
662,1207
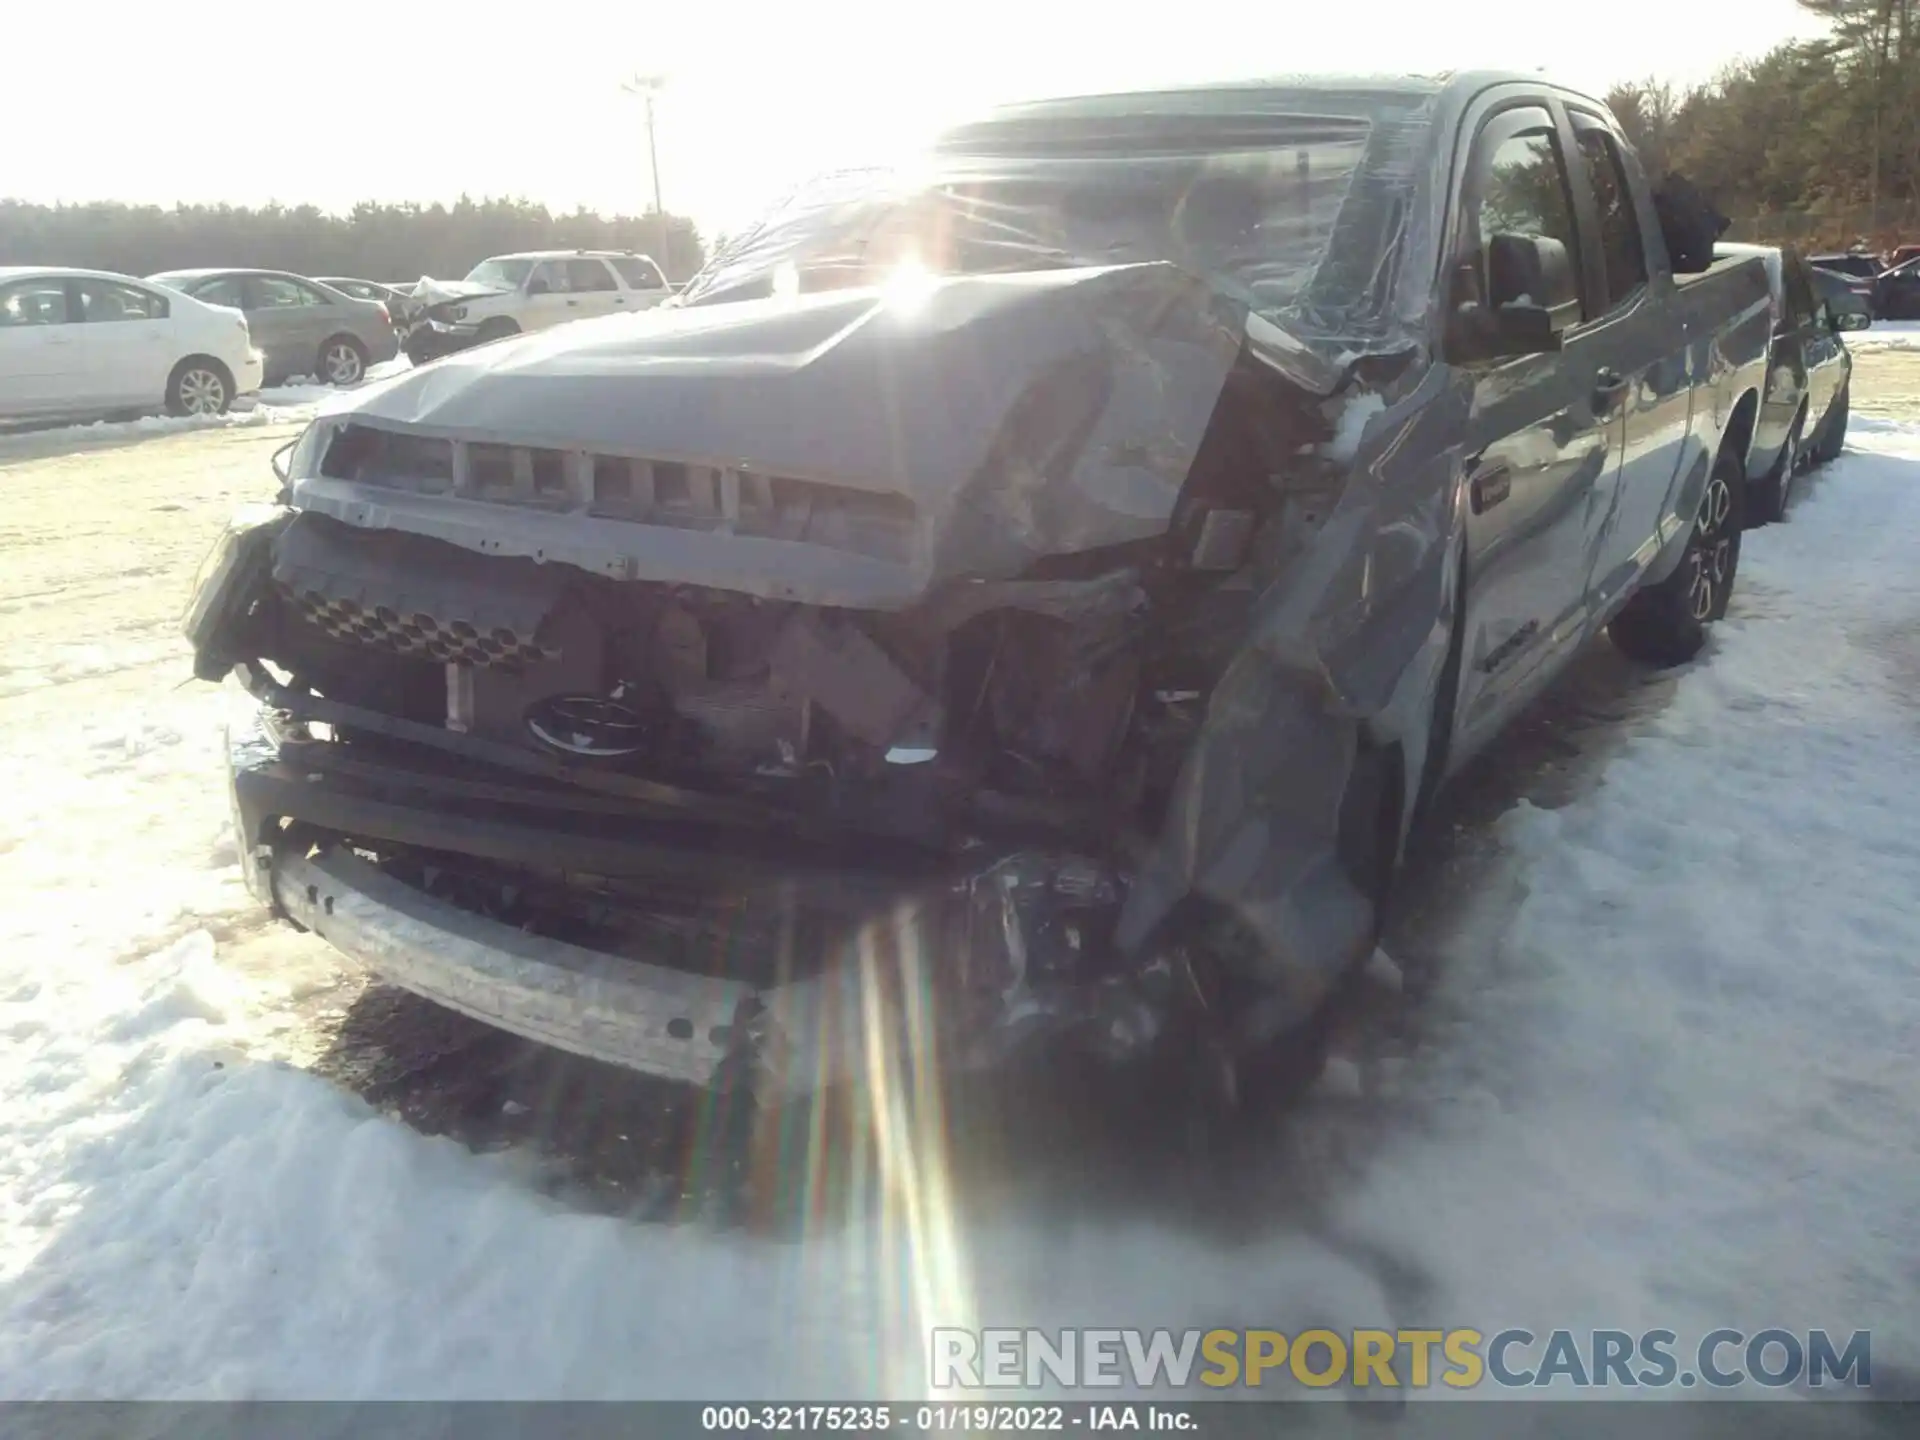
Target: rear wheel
x,y
1832,438
1667,624
343,361
199,385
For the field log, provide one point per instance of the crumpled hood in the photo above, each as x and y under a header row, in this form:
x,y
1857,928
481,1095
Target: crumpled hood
x,y
428,291
1024,414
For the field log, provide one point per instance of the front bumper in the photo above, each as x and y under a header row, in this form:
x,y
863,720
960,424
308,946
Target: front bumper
x,y
430,339
964,976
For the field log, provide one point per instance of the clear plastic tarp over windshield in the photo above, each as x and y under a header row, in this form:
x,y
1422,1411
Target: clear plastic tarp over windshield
x,y
1292,202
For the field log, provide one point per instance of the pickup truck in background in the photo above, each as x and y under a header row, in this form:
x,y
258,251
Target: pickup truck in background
x,y
1804,404
1026,608
508,294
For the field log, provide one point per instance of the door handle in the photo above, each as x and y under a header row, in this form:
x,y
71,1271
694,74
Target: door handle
x,y
572,303
1608,384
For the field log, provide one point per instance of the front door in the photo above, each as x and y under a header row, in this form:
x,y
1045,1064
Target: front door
x,y
1543,438
547,300
39,363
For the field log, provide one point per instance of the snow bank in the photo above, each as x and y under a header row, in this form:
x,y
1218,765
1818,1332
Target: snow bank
x,y
310,390
246,412
1887,335
1673,1088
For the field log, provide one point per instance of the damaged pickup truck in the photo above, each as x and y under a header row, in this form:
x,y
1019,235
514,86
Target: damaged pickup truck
x,y
1021,602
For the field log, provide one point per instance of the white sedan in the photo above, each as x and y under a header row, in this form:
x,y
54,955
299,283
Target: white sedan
x,y
87,342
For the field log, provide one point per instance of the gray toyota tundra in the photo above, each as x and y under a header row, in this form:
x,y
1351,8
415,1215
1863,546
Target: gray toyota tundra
x,y
1023,601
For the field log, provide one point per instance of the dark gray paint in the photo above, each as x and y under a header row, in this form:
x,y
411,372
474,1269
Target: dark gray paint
x,y
1588,495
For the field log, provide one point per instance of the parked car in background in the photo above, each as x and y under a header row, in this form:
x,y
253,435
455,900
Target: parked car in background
x,y
300,325
1896,293
1899,255
1856,263
1859,269
1098,604
508,294
394,297
1843,297
1808,369
89,342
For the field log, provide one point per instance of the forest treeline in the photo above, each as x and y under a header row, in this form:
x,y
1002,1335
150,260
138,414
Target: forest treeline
x,y
1817,142
371,242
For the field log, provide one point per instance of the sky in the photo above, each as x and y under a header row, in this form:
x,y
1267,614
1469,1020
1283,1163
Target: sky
x,y
424,100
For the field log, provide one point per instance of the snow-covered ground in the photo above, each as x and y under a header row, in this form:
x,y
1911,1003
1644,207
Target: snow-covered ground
x,y
1666,1078
1887,335
290,403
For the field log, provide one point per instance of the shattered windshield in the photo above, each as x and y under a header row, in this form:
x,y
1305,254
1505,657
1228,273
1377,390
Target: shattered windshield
x,y
1251,202
500,274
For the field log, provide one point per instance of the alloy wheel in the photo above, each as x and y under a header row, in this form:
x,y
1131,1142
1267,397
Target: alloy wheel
x,y
1710,556
202,392
341,364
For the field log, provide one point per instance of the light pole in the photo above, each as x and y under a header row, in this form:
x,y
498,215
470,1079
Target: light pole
x,y
646,87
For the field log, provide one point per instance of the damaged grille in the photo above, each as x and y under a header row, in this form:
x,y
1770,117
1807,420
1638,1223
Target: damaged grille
x,y
628,488
415,596
419,634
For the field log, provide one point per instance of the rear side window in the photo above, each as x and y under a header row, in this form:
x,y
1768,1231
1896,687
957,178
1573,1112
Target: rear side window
x,y
224,291
103,300
587,274
1624,257
275,292
638,271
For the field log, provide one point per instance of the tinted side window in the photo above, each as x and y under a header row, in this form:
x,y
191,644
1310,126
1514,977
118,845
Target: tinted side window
x,y
102,300
638,272
587,273
276,293
1521,188
1626,261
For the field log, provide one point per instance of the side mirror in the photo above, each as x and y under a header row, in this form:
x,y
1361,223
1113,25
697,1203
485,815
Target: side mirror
x,y
1532,298
1847,320
538,287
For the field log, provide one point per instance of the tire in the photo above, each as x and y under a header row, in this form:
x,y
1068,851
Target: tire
x,y
498,328
1832,438
1769,497
343,361
1667,624
199,385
